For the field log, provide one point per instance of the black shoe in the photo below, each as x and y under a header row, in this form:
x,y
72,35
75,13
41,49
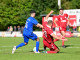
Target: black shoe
x,y
64,46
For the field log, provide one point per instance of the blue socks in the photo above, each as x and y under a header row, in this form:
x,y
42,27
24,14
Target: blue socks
x,y
20,45
37,46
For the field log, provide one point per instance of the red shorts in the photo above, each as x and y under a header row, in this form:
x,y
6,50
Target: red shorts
x,y
50,46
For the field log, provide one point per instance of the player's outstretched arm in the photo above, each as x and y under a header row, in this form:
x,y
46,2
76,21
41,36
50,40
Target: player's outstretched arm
x,y
39,25
60,38
48,15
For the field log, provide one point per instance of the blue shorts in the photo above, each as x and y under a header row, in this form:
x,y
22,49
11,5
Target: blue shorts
x,y
28,35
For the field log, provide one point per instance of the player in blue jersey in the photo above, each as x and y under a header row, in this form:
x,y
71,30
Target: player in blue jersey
x,y
28,32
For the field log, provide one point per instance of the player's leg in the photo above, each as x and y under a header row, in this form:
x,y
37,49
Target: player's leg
x,y
21,44
26,39
62,30
63,34
37,44
44,46
53,49
34,37
55,39
49,46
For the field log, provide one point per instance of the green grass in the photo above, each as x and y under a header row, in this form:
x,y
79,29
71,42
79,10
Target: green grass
x,y
72,52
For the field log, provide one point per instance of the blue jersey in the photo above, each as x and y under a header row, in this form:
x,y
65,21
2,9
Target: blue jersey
x,y
29,24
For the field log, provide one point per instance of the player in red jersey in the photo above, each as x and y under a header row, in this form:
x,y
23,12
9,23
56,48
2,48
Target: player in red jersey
x,y
63,22
48,36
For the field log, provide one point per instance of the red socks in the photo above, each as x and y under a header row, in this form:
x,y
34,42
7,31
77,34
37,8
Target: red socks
x,y
63,41
51,52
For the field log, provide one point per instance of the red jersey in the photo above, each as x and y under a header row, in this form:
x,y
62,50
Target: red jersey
x,y
57,20
47,32
63,20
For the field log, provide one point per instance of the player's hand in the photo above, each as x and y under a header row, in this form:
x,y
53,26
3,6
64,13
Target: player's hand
x,y
57,26
41,26
51,11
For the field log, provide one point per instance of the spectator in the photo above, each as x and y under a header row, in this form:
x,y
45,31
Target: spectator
x,y
22,28
11,29
19,29
14,28
8,29
74,27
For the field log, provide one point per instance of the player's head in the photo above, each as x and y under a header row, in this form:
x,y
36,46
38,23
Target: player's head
x,y
50,22
61,11
32,12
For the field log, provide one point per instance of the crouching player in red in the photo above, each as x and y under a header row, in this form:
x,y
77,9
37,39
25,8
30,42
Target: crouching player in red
x,y
48,36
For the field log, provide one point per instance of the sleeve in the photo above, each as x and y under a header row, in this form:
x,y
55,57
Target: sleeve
x,y
56,18
35,22
44,24
59,18
66,15
50,31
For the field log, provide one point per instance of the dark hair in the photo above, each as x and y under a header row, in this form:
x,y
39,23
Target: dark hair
x,y
61,9
32,11
50,22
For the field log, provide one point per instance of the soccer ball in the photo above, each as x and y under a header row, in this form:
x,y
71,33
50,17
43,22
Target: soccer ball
x,y
34,49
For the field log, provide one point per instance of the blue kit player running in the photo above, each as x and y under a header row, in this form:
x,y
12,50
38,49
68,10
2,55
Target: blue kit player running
x,y
28,32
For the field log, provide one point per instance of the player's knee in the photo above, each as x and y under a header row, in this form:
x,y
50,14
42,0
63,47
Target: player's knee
x,y
37,38
26,43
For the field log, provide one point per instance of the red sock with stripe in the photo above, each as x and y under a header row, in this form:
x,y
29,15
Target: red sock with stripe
x,y
51,52
63,41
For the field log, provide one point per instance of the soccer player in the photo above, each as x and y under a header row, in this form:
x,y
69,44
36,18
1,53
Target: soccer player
x,y
48,36
28,32
63,22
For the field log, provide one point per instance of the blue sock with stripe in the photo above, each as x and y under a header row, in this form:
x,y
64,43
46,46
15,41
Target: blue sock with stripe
x,y
37,46
20,45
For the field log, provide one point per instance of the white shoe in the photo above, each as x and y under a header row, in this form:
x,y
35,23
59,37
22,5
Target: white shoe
x,y
36,52
14,48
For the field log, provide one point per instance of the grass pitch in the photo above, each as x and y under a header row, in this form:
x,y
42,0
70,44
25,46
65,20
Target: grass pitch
x,y
72,52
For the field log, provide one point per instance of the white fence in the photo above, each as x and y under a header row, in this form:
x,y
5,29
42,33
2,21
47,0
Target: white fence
x,y
17,34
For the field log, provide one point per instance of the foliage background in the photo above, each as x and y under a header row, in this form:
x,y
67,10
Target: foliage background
x,y
15,12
